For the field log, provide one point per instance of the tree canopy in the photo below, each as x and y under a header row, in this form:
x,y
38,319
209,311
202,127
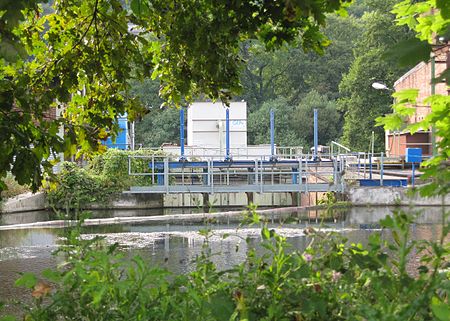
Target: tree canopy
x,y
83,53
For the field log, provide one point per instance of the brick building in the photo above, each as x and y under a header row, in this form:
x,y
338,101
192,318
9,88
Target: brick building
x,y
419,77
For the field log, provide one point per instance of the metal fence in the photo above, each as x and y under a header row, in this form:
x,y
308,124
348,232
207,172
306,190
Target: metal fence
x,y
262,174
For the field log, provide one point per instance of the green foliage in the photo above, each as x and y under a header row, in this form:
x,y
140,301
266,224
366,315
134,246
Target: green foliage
x,y
292,73
259,124
360,103
107,174
12,187
75,187
82,54
331,280
294,124
159,126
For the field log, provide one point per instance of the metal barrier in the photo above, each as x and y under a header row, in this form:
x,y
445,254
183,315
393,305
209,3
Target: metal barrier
x,y
261,175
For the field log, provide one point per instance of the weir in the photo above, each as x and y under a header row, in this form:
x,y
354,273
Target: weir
x,y
271,172
234,176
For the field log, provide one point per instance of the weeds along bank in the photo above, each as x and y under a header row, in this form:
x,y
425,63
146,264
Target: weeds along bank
x,y
103,177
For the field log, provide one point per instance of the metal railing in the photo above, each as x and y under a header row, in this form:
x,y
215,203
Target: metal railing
x,y
168,175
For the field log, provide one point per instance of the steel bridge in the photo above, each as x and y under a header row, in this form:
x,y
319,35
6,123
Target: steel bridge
x,y
166,175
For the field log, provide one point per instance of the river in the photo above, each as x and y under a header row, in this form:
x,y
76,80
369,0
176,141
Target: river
x,y
175,246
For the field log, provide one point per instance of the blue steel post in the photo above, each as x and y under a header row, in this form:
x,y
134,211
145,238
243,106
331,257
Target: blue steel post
x,y
182,158
227,135
316,133
272,135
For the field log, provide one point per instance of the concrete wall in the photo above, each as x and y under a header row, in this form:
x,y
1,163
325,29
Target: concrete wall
x,y
391,196
228,199
132,201
36,202
24,202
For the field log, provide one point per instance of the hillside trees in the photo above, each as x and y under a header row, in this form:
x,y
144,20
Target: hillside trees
x,y
294,123
360,103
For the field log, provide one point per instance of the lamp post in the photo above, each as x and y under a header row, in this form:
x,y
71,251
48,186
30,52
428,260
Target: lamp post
x,y
380,86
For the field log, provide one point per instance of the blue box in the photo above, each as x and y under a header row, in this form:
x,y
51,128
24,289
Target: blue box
x,y
386,182
414,155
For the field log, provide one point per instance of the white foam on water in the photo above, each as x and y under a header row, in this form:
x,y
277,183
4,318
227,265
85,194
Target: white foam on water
x,y
145,239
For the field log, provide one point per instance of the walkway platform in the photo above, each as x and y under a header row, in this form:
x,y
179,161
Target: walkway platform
x,y
168,176
248,188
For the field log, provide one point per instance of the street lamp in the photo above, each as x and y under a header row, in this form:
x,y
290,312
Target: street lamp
x,y
380,86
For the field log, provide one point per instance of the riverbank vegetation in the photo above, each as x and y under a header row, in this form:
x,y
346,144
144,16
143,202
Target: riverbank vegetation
x,y
76,186
13,188
392,278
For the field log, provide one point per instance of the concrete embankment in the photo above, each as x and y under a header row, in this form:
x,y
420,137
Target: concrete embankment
x,y
24,203
358,196
158,219
389,196
35,202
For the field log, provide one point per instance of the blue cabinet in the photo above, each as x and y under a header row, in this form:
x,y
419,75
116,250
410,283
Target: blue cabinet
x,y
414,155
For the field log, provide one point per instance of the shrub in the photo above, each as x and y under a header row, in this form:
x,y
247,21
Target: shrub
x,y
75,187
105,175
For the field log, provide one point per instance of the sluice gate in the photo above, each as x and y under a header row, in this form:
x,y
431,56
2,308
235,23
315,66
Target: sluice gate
x,y
164,175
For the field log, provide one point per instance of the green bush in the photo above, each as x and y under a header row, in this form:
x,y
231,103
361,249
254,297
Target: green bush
x,y
105,175
330,280
75,187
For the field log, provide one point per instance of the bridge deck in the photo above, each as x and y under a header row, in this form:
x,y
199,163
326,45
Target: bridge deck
x,y
278,188
166,176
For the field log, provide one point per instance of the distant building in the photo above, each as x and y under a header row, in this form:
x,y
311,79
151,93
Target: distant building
x,y
125,136
206,125
419,77
206,132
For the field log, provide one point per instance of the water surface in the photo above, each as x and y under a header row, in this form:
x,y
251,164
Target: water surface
x,y
176,246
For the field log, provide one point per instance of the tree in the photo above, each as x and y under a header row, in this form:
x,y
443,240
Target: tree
x,y
359,102
259,124
292,73
84,53
329,119
159,126
294,125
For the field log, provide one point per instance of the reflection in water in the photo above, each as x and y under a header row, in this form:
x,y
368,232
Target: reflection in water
x,y
177,246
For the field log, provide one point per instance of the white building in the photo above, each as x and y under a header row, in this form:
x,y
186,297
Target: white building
x,y
206,126
206,132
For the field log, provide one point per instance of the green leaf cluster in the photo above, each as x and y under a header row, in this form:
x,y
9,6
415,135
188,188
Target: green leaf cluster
x,y
76,187
294,123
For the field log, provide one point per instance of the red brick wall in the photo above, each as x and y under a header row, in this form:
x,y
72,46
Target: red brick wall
x,y
420,78
397,145
50,114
